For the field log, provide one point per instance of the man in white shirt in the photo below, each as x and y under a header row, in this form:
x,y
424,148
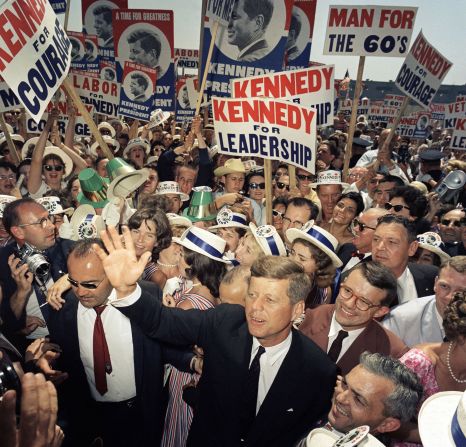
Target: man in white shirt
x,y
421,320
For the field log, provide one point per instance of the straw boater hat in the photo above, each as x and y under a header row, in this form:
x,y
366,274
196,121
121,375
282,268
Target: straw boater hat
x,y
86,224
93,188
65,158
108,126
4,200
232,165
433,242
199,206
316,236
14,137
157,117
137,142
176,219
442,420
31,142
203,242
268,239
329,178
171,188
53,205
124,179
360,436
226,218
110,142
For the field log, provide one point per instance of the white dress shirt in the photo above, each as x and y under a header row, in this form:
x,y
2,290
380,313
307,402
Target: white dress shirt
x,y
354,260
121,382
270,362
406,288
335,328
33,309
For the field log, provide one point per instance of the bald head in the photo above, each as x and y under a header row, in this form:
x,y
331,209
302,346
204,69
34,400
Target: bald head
x,y
362,239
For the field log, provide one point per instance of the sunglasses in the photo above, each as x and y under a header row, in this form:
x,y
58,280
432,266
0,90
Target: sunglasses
x,y
281,185
86,285
256,185
455,223
57,168
396,208
361,226
304,177
276,213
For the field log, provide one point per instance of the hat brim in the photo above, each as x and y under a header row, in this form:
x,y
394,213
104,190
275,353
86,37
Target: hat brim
x,y
344,185
438,251
130,146
434,419
65,157
229,225
180,220
190,246
264,245
33,140
152,124
293,233
133,181
222,170
198,219
183,197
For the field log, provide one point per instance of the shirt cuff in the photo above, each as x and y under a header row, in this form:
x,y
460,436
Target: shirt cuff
x,y
127,300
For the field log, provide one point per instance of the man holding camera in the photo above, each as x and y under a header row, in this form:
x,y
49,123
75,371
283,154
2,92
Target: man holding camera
x,y
28,267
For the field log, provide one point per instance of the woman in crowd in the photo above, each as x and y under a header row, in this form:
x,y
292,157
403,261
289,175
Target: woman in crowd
x,y
73,188
439,366
314,248
348,207
430,250
255,190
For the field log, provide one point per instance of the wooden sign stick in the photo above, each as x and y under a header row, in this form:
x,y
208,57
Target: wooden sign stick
x,y
268,191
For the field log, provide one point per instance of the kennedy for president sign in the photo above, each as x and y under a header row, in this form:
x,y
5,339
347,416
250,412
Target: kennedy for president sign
x,y
34,52
266,128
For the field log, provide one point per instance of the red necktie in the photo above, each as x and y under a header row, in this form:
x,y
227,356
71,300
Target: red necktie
x,y
102,362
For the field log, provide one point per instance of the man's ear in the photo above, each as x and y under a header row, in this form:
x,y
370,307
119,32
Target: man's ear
x,y
412,248
298,310
17,232
381,312
388,425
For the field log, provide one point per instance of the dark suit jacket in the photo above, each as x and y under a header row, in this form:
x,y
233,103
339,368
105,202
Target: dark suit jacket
x,y
149,359
257,51
344,253
374,338
299,396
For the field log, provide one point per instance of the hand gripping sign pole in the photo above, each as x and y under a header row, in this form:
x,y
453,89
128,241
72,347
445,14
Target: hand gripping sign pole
x,y
11,145
357,94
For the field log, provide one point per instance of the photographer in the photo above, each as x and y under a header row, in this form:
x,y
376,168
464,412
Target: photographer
x,y
28,267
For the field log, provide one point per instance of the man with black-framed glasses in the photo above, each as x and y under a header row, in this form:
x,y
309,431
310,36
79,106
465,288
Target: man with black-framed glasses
x,y
348,328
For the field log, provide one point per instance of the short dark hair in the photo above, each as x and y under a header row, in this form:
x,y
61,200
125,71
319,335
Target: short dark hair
x,y
141,80
379,276
300,202
415,200
53,157
253,8
279,201
400,220
392,178
84,247
105,11
7,165
149,41
356,198
11,213
334,149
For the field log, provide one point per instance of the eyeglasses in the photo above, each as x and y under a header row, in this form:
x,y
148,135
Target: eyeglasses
x,y
57,168
276,213
42,222
396,208
256,185
361,303
304,177
455,223
295,224
6,152
281,185
86,285
7,177
361,226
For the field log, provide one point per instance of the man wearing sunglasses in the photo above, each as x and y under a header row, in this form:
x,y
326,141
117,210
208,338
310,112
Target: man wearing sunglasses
x,y
24,295
450,229
7,177
348,328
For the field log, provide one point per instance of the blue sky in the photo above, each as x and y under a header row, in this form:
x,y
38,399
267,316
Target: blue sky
x,y
442,22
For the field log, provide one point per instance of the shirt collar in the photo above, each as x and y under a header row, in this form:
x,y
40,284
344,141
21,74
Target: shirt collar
x,y
273,353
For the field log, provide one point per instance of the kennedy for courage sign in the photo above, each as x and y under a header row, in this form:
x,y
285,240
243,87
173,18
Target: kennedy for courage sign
x,y
34,52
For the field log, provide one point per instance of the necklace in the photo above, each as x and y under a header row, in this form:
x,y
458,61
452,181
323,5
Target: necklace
x,y
166,265
449,365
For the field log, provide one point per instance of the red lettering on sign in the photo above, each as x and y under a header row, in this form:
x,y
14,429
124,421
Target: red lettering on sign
x,y
356,18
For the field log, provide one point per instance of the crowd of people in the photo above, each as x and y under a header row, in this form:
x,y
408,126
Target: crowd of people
x,y
145,299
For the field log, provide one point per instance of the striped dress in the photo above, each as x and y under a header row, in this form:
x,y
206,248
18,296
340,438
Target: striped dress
x,y
179,414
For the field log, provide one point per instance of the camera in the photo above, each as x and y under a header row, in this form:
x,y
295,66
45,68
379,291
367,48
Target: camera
x,y
9,379
35,260
403,153
450,186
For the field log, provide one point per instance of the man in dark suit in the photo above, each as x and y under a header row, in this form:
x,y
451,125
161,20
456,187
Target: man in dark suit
x,y
115,373
263,384
347,328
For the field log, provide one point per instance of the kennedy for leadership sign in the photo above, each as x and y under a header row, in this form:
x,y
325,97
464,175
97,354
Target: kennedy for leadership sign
x,y
34,52
266,128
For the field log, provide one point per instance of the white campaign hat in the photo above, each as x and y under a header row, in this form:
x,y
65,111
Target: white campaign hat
x,y
171,188
32,141
65,157
433,242
226,218
86,223
53,205
4,200
157,117
14,137
359,436
176,219
268,239
203,242
329,178
108,126
317,236
109,140
137,142
442,420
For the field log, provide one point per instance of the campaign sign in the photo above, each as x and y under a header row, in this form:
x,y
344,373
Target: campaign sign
x,y
91,53
34,52
453,111
369,30
437,111
311,87
458,139
423,121
381,114
107,70
137,91
266,128
77,50
184,110
58,6
97,20
243,50
219,10
407,125
422,72
145,37
346,106
103,95
186,58
299,41
393,100
8,100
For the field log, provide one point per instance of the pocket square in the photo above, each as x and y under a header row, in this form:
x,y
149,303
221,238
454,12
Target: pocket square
x,y
290,410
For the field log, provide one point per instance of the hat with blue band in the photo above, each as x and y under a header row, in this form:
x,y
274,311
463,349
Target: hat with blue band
x,y
227,218
268,239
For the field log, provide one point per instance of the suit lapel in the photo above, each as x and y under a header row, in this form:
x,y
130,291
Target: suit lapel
x,y
138,352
